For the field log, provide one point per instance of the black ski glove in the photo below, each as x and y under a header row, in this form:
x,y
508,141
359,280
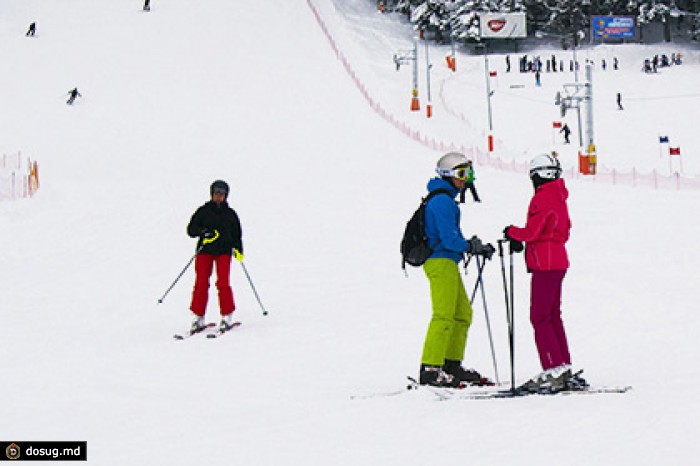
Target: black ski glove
x,y
515,245
476,247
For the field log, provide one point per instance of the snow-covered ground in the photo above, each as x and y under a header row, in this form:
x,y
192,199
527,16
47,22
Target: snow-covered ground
x,y
254,94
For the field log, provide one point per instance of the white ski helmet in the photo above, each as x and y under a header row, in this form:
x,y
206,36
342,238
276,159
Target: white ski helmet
x,y
448,162
545,166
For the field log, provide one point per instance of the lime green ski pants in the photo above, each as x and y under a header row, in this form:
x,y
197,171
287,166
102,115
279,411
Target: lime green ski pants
x,y
452,313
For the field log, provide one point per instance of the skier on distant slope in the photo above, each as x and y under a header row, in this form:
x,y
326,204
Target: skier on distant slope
x,y
567,133
545,235
72,95
445,341
220,236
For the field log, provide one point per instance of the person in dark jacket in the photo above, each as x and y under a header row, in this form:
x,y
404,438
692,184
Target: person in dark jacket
x,y
72,95
32,30
567,132
220,237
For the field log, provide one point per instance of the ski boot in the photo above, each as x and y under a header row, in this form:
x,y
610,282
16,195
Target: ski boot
x,y
437,377
467,376
197,324
226,322
551,381
577,383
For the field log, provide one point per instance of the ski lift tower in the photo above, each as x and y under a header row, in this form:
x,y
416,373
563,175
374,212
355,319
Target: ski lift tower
x,y
579,94
404,57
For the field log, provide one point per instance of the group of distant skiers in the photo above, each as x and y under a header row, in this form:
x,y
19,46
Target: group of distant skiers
x,y
651,65
552,64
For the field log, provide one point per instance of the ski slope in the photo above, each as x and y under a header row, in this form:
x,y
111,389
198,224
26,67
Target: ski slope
x,y
254,94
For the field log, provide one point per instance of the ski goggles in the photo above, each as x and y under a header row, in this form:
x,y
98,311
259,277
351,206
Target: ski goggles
x,y
220,191
461,173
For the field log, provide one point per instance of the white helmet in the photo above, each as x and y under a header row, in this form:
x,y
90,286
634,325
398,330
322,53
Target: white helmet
x,y
546,166
448,162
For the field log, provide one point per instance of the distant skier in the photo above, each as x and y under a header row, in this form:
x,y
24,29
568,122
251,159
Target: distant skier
x,y
147,5
470,181
220,238
72,95
32,30
567,132
619,101
616,64
545,235
507,63
538,82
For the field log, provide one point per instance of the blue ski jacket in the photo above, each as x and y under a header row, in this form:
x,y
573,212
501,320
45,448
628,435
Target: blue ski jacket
x,y
442,217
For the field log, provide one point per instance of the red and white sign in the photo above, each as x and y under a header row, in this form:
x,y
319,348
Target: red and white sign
x,y
502,25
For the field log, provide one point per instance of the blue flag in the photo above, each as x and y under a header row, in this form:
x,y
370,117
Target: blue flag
x,y
663,139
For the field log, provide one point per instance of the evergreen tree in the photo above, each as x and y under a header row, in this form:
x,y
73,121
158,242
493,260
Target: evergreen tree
x,y
459,18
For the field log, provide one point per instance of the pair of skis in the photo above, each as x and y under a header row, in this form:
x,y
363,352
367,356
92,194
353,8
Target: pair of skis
x,y
464,393
206,330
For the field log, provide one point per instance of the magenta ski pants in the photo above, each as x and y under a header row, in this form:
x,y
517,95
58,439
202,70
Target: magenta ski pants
x,y
545,315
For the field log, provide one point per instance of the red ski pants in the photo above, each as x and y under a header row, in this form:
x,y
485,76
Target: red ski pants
x,y
545,316
203,266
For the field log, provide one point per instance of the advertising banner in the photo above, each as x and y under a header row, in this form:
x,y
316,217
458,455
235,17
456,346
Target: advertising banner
x,y
503,25
613,27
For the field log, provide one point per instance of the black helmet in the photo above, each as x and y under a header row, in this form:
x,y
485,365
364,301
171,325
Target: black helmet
x,y
219,185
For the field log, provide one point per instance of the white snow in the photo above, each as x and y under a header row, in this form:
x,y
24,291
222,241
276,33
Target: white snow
x,y
253,93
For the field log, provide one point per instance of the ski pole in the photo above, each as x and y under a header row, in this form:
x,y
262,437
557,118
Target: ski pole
x,y
509,309
205,241
160,301
255,292
512,315
480,282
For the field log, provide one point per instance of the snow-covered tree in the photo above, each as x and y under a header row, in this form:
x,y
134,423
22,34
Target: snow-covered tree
x,y
459,18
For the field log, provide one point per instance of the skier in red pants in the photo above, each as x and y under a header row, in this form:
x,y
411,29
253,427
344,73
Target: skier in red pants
x,y
545,235
219,231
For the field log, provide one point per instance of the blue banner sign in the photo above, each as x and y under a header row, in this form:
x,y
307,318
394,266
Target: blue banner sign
x,y
613,27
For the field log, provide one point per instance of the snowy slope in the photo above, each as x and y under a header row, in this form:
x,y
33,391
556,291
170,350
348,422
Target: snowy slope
x,y
180,96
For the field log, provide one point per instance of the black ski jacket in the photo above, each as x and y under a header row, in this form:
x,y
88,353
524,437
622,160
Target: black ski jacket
x,y
221,218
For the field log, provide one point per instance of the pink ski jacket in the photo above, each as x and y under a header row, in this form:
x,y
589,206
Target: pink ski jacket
x,y
547,228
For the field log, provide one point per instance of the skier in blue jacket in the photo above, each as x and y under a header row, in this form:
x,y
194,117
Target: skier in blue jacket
x,y
445,341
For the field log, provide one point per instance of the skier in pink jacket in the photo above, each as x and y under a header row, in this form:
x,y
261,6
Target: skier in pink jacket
x,y
545,235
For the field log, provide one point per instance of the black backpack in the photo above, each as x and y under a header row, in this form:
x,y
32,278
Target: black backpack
x,y
414,246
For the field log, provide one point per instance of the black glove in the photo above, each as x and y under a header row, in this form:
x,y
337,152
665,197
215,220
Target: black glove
x,y
477,248
505,233
515,245
206,233
474,246
488,251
